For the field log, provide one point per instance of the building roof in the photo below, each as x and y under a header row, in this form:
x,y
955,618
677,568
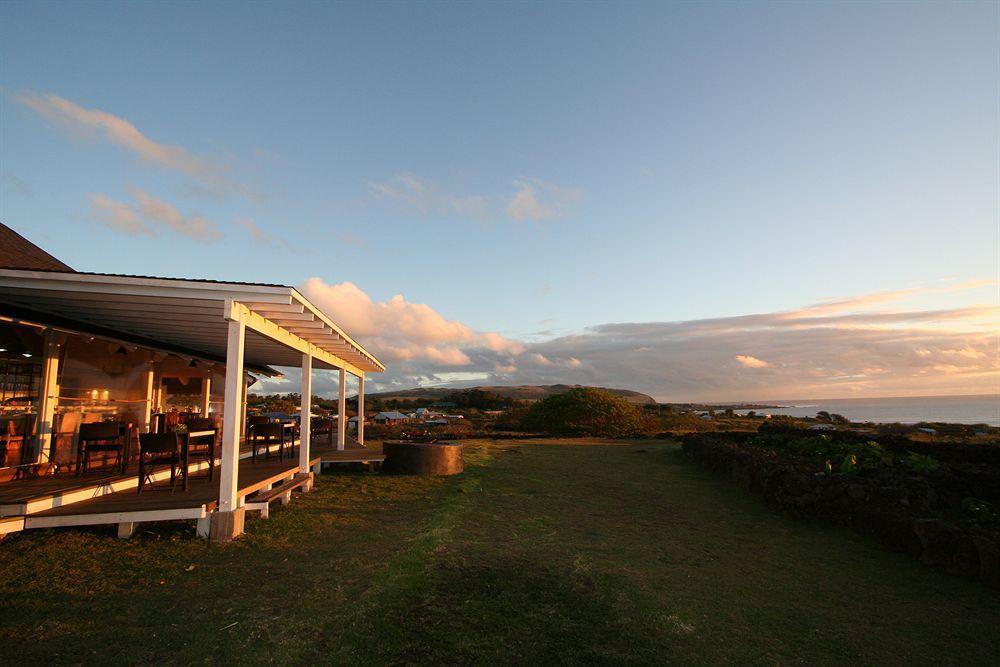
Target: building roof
x,y
392,414
192,314
17,252
178,313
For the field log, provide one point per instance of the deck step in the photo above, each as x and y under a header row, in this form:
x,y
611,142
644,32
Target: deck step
x,y
281,489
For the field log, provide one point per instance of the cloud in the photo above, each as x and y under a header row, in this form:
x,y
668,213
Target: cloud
x,y
122,133
149,216
540,201
533,199
856,348
117,216
751,362
258,235
398,330
424,197
13,185
193,226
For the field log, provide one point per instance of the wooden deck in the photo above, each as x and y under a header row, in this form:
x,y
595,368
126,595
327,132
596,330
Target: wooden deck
x,y
103,497
28,496
158,503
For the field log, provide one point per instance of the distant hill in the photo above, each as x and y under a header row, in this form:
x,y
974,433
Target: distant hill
x,y
521,393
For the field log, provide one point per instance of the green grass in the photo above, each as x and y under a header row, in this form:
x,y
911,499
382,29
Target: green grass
x,y
540,552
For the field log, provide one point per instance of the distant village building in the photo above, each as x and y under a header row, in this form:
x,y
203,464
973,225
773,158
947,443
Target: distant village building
x,y
822,427
390,417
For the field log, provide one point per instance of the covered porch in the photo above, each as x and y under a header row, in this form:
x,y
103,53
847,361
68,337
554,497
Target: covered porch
x,y
214,332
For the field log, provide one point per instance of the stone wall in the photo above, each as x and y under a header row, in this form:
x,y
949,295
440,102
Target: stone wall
x,y
908,513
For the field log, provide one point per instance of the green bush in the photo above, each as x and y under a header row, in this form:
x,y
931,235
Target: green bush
x,y
978,511
921,462
824,449
584,411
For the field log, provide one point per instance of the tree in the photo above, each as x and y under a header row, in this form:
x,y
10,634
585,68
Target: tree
x,y
477,398
584,411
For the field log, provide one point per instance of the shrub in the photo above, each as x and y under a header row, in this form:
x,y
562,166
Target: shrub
x,y
978,511
584,411
921,463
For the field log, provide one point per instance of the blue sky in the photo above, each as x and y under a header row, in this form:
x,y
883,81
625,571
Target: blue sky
x,y
535,170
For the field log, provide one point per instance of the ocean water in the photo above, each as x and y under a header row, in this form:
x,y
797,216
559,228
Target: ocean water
x,y
951,409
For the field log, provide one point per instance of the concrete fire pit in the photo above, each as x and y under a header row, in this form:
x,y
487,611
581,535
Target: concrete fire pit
x,y
422,458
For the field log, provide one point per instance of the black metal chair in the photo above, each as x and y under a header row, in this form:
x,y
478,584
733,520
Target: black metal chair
x,y
265,435
202,446
100,437
155,449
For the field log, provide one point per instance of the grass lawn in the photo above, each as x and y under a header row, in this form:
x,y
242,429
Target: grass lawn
x,y
559,552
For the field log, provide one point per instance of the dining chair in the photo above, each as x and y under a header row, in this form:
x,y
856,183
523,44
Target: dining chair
x,y
202,446
265,435
100,437
156,449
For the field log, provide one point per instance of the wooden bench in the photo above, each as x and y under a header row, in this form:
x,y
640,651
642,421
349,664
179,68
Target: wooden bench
x,y
261,502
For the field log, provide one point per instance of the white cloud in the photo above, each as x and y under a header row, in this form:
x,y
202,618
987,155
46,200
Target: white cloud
x,y
540,201
117,216
121,132
258,235
425,197
149,216
751,362
166,214
398,330
533,199
15,185
811,352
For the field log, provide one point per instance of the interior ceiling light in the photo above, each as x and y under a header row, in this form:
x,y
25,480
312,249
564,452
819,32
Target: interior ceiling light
x,y
121,350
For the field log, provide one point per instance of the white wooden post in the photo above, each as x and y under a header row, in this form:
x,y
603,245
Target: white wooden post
x,y
48,394
361,410
243,406
157,392
342,411
231,415
206,395
305,409
147,406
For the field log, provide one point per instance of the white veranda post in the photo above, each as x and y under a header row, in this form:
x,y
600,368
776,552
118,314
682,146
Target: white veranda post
x,y
231,416
148,378
206,394
361,410
243,405
305,411
342,410
48,394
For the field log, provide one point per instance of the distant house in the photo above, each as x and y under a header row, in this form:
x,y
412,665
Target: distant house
x,y
928,430
822,427
423,412
390,417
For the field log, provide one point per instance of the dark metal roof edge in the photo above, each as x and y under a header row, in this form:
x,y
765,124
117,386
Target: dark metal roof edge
x,y
183,280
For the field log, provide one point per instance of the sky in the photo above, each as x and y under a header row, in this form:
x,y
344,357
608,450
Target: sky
x,y
705,201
